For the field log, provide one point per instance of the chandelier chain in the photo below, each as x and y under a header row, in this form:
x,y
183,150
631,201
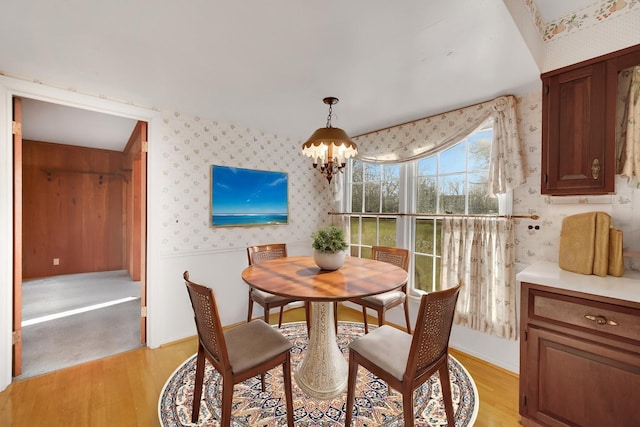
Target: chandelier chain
x,y
329,116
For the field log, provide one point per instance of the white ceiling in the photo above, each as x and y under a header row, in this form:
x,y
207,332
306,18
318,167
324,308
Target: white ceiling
x,y
266,65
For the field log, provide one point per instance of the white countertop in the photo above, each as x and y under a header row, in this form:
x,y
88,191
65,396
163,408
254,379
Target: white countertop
x,y
546,273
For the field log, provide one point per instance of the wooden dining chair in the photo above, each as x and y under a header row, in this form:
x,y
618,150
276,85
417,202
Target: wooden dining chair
x,y
385,301
262,253
240,353
405,362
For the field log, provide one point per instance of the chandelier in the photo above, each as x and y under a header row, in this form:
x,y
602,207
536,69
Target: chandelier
x,y
329,147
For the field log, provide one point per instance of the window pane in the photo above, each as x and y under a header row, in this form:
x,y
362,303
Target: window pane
x,y
356,198
387,236
366,253
479,201
454,159
424,236
356,171
354,230
390,172
391,196
437,286
427,197
480,150
428,166
354,251
372,197
424,276
369,231
371,172
452,194
438,239
390,188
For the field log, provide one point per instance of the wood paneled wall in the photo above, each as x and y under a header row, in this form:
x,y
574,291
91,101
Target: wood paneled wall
x,y
73,209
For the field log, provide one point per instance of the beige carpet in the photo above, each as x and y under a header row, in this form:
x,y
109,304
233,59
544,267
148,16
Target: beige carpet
x,y
50,342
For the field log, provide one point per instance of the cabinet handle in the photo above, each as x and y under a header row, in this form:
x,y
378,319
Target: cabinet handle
x,y
595,168
601,320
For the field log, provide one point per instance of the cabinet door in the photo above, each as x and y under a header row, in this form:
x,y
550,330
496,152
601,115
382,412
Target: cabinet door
x,y
574,149
574,382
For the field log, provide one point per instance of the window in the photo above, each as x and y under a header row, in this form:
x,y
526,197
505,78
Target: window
x,y
374,189
452,181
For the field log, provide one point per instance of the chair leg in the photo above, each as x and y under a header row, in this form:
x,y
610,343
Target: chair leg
x,y
407,407
445,383
381,317
267,310
406,315
351,388
286,372
197,391
227,400
250,311
364,317
280,317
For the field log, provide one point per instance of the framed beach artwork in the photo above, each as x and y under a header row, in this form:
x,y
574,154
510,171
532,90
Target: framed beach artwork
x,y
246,197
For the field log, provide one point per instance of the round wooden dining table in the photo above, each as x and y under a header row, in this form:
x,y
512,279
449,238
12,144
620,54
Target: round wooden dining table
x,y
322,373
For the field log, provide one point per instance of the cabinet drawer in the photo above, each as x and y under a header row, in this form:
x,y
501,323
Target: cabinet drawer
x,y
618,321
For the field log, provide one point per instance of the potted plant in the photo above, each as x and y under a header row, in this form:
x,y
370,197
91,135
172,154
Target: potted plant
x,y
330,247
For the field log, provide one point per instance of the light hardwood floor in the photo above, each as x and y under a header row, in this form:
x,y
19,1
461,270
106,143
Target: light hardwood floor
x,y
123,390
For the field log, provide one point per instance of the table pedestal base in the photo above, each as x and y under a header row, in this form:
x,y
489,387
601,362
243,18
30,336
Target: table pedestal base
x,y
323,370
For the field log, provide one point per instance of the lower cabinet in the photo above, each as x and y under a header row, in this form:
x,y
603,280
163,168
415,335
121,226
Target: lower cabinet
x,y
579,359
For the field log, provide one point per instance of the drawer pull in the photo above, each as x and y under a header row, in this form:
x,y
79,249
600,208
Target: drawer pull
x,y
601,320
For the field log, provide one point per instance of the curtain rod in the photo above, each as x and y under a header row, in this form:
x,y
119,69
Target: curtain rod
x,y
534,217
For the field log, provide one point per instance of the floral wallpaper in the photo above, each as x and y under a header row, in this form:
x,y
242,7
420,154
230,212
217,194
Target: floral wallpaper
x,y
539,239
598,12
190,145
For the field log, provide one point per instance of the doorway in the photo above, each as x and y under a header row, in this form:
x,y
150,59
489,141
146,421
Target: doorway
x,y
81,231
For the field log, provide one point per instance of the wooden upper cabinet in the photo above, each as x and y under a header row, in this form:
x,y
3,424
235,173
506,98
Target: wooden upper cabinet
x,y
574,147
578,125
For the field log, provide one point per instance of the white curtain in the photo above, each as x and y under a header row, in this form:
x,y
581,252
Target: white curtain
x,y
506,170
337,202
427,136
480,254
630,131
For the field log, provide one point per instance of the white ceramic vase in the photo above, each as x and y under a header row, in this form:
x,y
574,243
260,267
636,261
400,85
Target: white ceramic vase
x,y
329,260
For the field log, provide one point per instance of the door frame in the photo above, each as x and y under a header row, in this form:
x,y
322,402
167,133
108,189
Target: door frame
x,y
10,87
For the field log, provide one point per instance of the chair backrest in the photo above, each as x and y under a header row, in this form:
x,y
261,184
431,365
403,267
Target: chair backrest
x,y
208,323
433,330
262,253
396,256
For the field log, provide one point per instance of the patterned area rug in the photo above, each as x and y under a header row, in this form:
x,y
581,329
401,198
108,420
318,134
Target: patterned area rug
x,y
374,406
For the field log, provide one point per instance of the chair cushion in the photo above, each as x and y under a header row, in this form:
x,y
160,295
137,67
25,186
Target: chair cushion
x,y
386,298
266,297
253,343
386,347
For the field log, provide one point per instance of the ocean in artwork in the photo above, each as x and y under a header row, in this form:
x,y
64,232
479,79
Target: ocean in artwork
x,y
248,219
245,197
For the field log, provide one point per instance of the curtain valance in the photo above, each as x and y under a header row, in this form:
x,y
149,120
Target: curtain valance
x,y
424,137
